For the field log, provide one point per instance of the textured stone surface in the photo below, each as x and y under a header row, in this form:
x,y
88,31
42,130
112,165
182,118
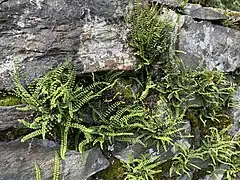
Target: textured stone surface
x,y
203,41
235,129
17,161
206,13
9,116
43,33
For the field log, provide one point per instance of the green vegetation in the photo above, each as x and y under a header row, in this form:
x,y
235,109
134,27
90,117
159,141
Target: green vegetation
x,y
10,100
148,106
150,34
143,168
56,169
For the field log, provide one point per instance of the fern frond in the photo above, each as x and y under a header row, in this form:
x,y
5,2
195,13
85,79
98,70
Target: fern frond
x,y
37,172
56,168
64,138
31,135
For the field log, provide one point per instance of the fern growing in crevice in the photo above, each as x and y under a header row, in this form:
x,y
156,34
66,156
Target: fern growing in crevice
x,y
161,127
117,123
143,168
220,148
57,100
149,34
183,160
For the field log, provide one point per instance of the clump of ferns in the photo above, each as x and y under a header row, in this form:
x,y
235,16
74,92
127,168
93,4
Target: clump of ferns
x,y
161,127
57,100
185,160
149,33
209,91
143,168
221,148
116,123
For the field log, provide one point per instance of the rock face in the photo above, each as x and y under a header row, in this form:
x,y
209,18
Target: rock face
x,y
17,161
9,117
43,33
215,45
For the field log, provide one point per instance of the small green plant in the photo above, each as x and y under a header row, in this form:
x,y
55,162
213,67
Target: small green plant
x,y
143,168
57,100
182,162
149,33
160,127
115,123
220,148
212,91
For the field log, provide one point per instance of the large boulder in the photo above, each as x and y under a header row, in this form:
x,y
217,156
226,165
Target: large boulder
x,y
43,33
18,159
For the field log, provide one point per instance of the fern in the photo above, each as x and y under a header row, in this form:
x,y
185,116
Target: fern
x,y
56,168
160,127
149,35
142,168
220,148
57,99
182,162
38,172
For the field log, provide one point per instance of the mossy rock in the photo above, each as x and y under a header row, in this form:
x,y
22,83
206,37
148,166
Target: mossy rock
x,y
10,100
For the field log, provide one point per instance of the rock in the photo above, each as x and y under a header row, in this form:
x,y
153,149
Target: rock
x,y
18,160
42,34
205,13
235,112
9,116
217,174
169,3
194,10
215,45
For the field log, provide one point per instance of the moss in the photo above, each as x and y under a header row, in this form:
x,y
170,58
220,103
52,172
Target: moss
x,y
10,100
114,171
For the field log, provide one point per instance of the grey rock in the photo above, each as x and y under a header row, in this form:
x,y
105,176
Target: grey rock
x,y
9,116
17,161
217,174
205,13
235,112
170,3
43,33
194,10
215,45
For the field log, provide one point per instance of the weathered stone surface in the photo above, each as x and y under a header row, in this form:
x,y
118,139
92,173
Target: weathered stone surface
x,y
9,116
215,45
195,10
235,112
17,161
205,13
42,34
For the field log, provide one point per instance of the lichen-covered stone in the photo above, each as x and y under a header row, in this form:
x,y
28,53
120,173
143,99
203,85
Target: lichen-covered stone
x,y
17,161
42,34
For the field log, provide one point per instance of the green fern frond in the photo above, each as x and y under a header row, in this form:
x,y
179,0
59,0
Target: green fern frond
x,y
56,168
37,172
31,135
